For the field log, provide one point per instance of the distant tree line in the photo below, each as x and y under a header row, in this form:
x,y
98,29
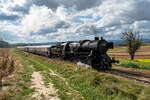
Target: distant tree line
x,y
3,44
144,43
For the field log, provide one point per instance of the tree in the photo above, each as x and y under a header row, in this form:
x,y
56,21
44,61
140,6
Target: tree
x,y
133,41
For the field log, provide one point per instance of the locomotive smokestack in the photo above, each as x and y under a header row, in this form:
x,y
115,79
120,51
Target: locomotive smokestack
x,y
96,38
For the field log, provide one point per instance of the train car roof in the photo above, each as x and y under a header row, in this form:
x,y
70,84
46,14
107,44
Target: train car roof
x,y
20,46
41,46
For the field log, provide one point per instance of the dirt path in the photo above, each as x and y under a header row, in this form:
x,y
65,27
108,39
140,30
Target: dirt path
x,y
41,90
71,91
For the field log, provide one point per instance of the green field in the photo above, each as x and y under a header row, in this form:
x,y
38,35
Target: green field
x,y
137,64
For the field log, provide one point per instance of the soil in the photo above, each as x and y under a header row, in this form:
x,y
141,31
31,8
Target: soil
x,y
38,83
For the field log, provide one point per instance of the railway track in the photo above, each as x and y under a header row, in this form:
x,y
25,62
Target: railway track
x,y
136,76
131,75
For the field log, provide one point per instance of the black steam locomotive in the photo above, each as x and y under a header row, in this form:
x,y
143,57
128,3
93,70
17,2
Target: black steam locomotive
x,y
91,52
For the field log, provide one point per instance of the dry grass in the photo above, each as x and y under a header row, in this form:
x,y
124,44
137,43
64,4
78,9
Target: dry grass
x,y
7,64
6,67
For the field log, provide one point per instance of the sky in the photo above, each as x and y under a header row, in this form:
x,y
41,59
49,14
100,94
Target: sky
x,y
35,21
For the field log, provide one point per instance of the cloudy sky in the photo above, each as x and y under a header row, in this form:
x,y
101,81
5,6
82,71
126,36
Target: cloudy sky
x,y
30,21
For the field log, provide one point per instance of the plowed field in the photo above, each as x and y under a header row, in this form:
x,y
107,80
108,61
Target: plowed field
x,y
121,52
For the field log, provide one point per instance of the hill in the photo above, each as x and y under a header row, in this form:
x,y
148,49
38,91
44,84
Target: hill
x,y
3,44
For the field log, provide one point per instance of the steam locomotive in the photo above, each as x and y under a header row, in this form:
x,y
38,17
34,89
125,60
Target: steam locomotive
x,y
91,52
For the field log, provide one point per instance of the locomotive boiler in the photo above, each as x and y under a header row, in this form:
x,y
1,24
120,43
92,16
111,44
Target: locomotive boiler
x,y
92,52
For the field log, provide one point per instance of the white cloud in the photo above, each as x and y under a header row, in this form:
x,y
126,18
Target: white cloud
x,y
43,18
62,20
141,24
19,2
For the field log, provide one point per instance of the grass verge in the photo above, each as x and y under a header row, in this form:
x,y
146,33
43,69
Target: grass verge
x,y
87,84
20,80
